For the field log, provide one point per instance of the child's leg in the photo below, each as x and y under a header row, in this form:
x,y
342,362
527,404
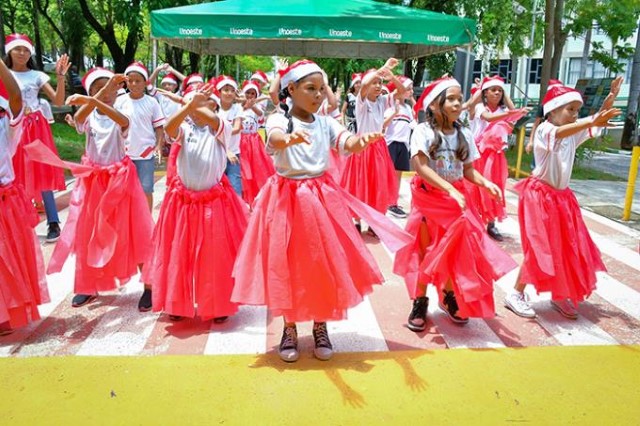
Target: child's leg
x,y
417,320
235,178
50,208
288,349
517,301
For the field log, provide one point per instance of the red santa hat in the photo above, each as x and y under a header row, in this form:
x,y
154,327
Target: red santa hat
x,y
433,90
4,96
495,81
94,74
191,90
558,96
192,79
296,71
139,68
225,80
250,85
169,78
553,83
16,40
405,81
356,77
260,76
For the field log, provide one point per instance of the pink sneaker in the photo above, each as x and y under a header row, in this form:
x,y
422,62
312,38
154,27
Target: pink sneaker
x,y
566,308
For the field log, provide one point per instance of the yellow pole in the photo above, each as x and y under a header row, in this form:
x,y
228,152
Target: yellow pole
x,y
520,140
631,183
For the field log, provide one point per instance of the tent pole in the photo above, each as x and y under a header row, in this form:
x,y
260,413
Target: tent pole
x,y
154,60
467,65
217,64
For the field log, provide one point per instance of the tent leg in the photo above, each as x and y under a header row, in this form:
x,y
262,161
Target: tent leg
x,y
154,60
467,65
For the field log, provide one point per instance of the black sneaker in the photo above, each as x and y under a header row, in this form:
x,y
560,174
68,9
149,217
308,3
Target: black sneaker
x,y
176,318
450,306
53,232
493,232
397,212
323,349
418,317
288,349
145,304
82,299
220,320
359,228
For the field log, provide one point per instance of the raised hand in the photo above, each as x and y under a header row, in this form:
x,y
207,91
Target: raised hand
x,y
282,64
391,63
63,65
78,100
615,86
601,119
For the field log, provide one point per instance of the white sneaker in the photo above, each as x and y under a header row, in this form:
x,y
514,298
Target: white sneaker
x,y
566,308
517,303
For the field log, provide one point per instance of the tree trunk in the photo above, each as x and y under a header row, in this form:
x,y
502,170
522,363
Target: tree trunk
x,y
559,37
194,61
36,34
585,53
420,65
547,55
408,69
2,52
634,97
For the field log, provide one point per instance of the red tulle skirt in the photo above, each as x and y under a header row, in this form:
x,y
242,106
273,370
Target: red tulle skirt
x,y
371,177
302,255
559,254
492,164
255,165
337,163
22,280
195,242
109,228
458,249
172,163
36,177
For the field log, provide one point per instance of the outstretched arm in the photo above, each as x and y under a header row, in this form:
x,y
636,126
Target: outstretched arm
x,y
13,90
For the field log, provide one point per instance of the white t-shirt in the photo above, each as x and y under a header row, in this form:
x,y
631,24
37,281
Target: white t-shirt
x,y
446,164
250,120
105,140
302,161
168,106
229,116
399,129
30,83
10,132
202,158
370,115
479,124
554,157
145,115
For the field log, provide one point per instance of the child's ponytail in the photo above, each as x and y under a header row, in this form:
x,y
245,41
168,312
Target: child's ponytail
x,y
282,97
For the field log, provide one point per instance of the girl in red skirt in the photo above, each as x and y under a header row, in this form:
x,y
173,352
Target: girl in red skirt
x,y
22,280
492,164
559,254
370,175
37,179
450,248
255,165
302,256
201,222
109,226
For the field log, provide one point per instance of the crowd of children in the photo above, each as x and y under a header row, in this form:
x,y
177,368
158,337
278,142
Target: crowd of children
x,y
277,222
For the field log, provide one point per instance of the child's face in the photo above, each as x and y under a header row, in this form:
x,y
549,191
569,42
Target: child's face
x,y
566,114
376,88
356,87
494,95
20,55
108,97
452,107
250,94
169,87
408,93
308,92
136,83
227,94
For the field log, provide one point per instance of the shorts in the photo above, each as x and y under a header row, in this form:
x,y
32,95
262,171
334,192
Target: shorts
x,y
145,169
400,156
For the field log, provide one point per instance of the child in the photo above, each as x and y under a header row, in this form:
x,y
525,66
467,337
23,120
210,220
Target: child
x,y
370,176
201,222
398,124
450,249
145,135
23,284
109,227
256,166
492,163
232,113
169,83
349,106
559,254
37,179
302,256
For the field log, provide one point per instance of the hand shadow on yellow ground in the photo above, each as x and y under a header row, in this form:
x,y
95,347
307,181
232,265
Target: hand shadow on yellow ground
x,y
362,362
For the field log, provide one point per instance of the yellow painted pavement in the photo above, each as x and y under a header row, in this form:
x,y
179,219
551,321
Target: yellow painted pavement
x,y
536,385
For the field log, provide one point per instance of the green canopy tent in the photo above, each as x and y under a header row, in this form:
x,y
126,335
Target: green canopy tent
x,y
310,28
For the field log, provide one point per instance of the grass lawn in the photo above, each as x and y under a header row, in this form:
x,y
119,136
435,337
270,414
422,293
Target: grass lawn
x,y
69,143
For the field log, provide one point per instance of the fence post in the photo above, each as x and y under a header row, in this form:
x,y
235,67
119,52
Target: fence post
x,y
631,182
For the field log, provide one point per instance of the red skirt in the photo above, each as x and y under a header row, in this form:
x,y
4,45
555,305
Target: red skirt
x,y
172,163
337,163
302,255
559,254
492,164
36,177
370,176
109,228
255,165
195,243
459,249
23,284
